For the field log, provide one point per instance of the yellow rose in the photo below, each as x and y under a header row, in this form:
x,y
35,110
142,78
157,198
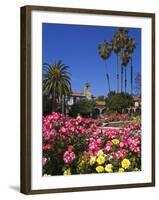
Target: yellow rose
x,y
100,169
67,172
125,163
92,160
121,170
100,160
115,141
108,168
100,153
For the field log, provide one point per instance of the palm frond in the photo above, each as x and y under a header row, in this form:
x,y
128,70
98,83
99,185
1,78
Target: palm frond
x,y
56,79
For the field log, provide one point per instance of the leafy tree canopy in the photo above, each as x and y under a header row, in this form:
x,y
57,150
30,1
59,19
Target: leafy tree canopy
x,y
101,98
118,102
83,107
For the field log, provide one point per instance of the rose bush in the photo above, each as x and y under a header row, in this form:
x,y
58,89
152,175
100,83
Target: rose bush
x,y
81,146
117,117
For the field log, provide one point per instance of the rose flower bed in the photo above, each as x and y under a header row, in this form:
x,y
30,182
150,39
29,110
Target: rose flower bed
x,y
117,117
80,146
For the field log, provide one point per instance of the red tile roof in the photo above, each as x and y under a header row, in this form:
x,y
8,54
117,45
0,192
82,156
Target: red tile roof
x,y
77,94
136,98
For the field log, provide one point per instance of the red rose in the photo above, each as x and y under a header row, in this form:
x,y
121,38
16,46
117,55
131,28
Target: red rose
x,y
70,148
47,147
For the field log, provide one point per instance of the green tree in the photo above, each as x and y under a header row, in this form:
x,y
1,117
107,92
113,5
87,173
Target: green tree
x,y
56,82
131,45
118,42
83,107
124,63
119,102
116,48
123,32
104,50
101,98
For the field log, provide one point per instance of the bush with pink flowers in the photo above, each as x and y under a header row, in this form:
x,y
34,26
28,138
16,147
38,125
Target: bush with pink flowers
x,y
117,117
81,146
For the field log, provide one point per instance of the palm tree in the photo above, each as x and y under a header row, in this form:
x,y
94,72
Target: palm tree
x,y
117,44
104,50
124,62
56,82
130,48
122,37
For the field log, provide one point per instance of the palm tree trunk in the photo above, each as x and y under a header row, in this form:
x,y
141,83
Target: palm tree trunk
x,y
63,101
53,102
125,80
131,78
108,81
107,75
121,78
117,74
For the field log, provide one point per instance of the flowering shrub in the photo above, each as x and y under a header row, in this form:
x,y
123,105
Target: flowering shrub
x,y
80,146
117,117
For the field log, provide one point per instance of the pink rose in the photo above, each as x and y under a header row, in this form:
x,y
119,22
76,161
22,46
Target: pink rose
x,y
68,157
63,129
44,161
108,148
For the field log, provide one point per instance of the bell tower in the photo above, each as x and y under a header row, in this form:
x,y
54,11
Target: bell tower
x,y
87,91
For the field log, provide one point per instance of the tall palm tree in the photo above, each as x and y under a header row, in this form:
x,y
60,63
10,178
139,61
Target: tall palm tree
x,y
124,62
131,45
117,44
56,82
122,37
104,50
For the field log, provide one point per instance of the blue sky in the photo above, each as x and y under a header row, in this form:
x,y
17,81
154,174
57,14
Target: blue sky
x,y
77,47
